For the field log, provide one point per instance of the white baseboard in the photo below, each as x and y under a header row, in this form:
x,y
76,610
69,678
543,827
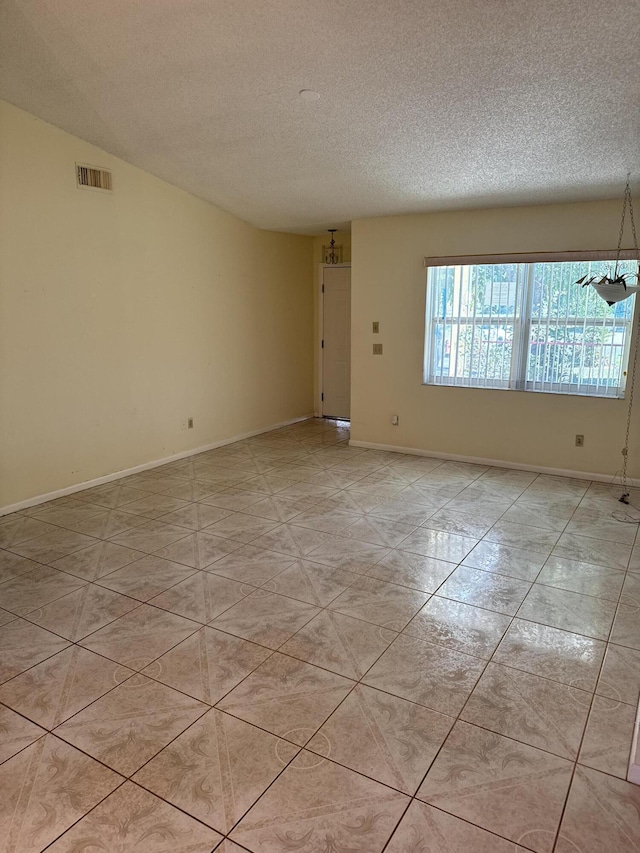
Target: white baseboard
x,y
494,463
146,466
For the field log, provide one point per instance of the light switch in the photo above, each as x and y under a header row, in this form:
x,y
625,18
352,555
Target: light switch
x,y
377,349
376,327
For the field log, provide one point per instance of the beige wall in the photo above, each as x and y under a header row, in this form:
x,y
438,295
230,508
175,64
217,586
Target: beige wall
x,y
123,314
388,285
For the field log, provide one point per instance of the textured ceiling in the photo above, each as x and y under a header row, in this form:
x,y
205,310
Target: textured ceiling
x,y
425,104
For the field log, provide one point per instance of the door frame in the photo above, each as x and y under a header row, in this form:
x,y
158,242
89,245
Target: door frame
x,y
319,405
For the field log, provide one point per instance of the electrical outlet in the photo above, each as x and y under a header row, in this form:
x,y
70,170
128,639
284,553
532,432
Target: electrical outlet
x,y
395,420
376,327
189,423
579,441
377,349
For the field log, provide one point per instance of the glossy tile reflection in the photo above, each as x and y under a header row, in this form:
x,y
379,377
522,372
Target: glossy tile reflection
x,y
294,645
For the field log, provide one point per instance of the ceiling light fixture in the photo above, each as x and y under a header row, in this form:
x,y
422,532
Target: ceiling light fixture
x,y
332,254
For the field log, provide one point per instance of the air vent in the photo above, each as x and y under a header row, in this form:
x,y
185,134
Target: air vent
x,y
91,178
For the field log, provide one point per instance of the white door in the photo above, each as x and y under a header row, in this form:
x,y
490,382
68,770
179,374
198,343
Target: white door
x,y
336,335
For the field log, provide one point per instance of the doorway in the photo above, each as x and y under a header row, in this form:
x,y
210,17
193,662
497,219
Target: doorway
x,y
335,332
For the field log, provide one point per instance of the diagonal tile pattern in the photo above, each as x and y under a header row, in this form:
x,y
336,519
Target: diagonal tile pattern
x,y
293,645
217,769
134,819
45,789
131,724
287,697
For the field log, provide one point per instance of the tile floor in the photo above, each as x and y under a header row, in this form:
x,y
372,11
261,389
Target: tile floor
x,y
290,644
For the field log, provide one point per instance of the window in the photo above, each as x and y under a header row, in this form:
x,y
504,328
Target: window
x,y
525,326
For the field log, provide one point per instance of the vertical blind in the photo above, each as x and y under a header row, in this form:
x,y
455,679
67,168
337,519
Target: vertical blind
x,y
526,326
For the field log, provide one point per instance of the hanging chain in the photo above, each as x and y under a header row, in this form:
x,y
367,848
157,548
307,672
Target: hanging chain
x,y
625,451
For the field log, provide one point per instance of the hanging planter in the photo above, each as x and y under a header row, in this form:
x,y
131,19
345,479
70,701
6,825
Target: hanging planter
x,y
614,288
611,288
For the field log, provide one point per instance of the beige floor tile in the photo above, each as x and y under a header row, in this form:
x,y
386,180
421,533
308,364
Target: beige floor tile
x,y
485,589
202,596
350,554
140,636
133,819
151,536
424,829
529,709
155,505
602,814
52,691
242,527
199,550
501,785
379,531
15,529
6,617
36,588
217,769
292,541
439,678
192,490
195,516
384,604
311,582
523,536
552,653
15,733
265,618
12,566
252,565
52,546
631,591
626,626
207,664
233,499
384,737
459,523
436,543
620,676
570,611
598,525
551,515
326,519
403,511
107,523
493,557
111,494
607,740
97,560
128,726
146,578
44,790
459,626
23,645
277,508
287,697
574,547
413,570
339,643
584,578
82,612
315,801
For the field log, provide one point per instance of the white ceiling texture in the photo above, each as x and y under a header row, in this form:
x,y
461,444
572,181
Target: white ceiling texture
x,y
424,104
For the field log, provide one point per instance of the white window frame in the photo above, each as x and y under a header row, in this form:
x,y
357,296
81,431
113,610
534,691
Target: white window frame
x,y
521,322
